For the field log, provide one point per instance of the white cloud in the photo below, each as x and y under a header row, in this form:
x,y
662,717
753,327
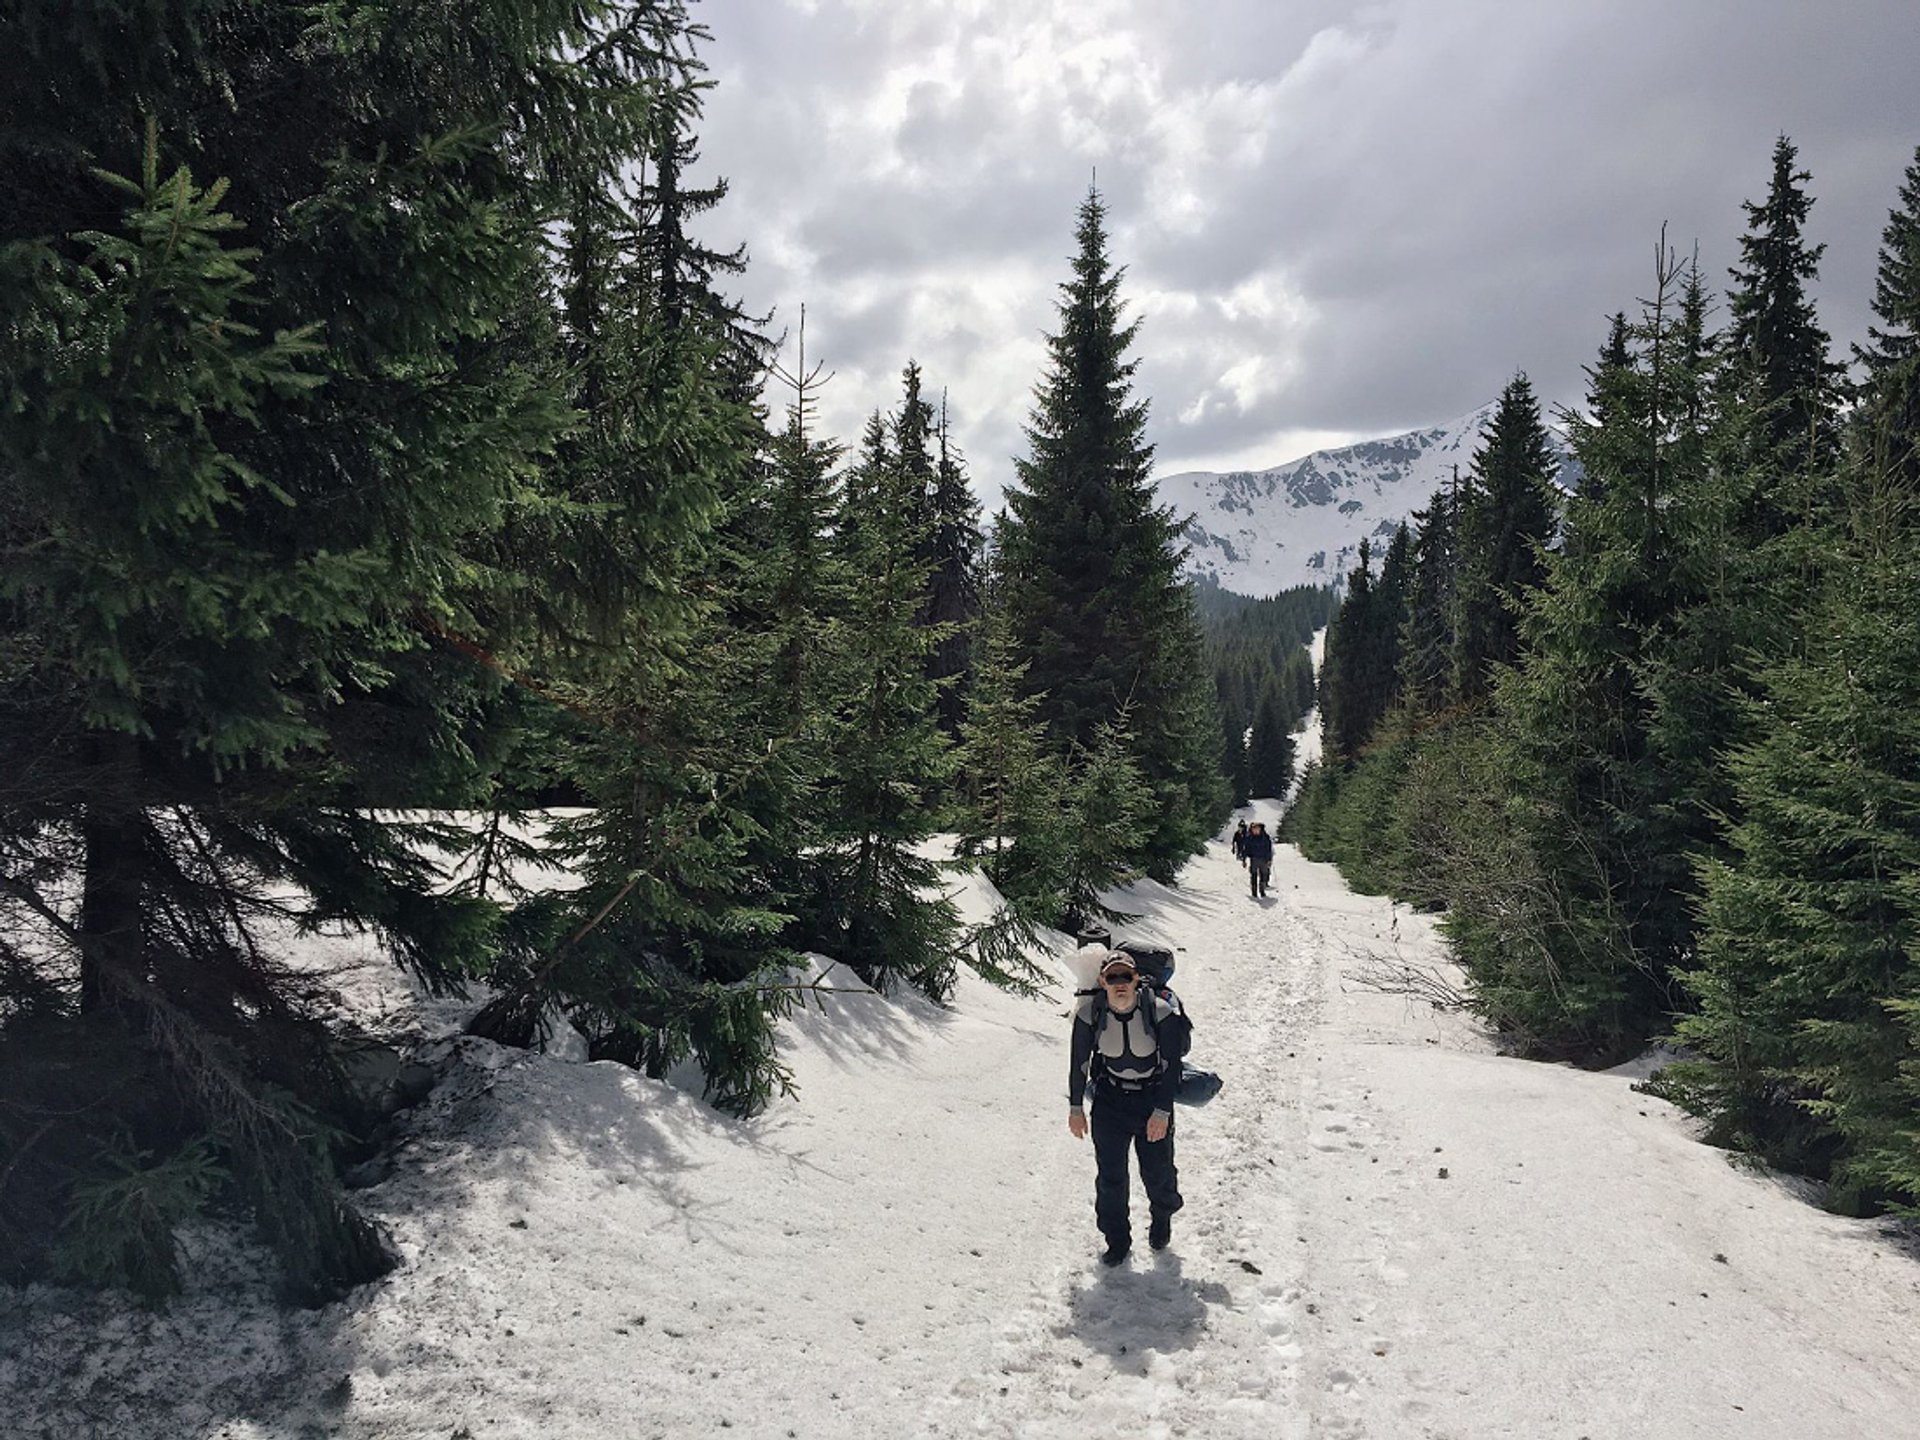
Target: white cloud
x,y
1337,218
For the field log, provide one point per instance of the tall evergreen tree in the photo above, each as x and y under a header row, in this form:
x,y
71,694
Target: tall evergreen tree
x,y
1234,724
953,595
1808,983
1607,807
241,618
1091,565
1506,522
1270,747
913,454
875,902
1362,679
1428,640
1345,712
1777,353
1603,379
1012,791
1387,626
1892,353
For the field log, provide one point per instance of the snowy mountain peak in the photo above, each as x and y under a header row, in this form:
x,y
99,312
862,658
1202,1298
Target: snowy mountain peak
x,y
1259,532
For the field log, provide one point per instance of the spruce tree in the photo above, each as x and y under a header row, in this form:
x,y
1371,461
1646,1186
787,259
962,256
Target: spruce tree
x,y
953,594
1091,564
1605,803
1808,987
1778,362
1234,725
1892,355
1345,678
1809,974
1507,519
1428,639
1387,625
1603,379
1011,789
1362,676
244,619
875,901
1270,748
1104,806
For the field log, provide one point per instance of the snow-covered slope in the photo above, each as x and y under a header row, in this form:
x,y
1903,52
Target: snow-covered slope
x,y
1390,1231
1259,532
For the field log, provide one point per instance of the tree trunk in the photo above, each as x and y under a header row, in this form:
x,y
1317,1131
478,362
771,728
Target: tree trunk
x,y
112,926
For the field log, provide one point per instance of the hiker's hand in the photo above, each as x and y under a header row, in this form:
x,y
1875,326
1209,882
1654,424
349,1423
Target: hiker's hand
x,y
1076,1125
1156,1129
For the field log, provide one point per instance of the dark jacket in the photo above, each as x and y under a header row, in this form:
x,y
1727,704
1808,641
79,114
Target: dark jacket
x,y
1259,848
1240,842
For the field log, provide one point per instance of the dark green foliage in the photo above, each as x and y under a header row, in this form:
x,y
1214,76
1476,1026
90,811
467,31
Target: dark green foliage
x,y
1508,512
1809,961
1692,805
1428,639
1104,807
1361,678
373,448
645,573
873,898
1891,394
1011,783
1252,646
1809,977
953,586
1010,818
1234,755
1090,567
1051,836
1347,713
1345,815
119,1229
1270,746
1777,354
1604,787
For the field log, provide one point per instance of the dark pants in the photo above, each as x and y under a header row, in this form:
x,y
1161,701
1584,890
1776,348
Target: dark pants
x,y
1120,1121
1257,879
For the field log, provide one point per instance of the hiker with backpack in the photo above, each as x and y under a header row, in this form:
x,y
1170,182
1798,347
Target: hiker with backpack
x,y
1240,844
1259,849
1128,1039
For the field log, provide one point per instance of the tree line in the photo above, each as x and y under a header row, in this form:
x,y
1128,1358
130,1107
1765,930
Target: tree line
x,y
385,461
1653,745
1263,678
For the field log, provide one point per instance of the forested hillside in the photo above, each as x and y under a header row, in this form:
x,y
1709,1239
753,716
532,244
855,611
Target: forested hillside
x,y
1653,748
1263,679
385,458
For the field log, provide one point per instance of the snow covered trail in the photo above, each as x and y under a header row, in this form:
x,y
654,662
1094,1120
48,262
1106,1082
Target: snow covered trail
x,y
1390,1232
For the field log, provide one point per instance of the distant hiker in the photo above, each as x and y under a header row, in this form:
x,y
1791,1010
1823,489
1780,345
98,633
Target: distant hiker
x,y
1259,848
1240,844
1128,1037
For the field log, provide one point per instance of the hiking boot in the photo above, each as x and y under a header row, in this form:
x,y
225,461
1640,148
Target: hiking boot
x,y
1116,1251
1160,1233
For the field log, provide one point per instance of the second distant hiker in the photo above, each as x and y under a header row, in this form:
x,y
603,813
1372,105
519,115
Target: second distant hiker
x,y
1240,844
1259,853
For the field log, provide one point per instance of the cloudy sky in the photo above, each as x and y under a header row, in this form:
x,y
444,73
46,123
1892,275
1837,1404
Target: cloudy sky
x,y
1339,220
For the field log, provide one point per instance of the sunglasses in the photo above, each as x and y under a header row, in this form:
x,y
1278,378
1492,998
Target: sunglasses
x,y
1120,977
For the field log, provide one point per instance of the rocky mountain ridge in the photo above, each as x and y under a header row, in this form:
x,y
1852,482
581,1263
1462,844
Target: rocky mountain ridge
x,y
1260,532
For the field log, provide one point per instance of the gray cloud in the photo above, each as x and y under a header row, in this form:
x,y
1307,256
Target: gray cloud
x,y
1338,218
